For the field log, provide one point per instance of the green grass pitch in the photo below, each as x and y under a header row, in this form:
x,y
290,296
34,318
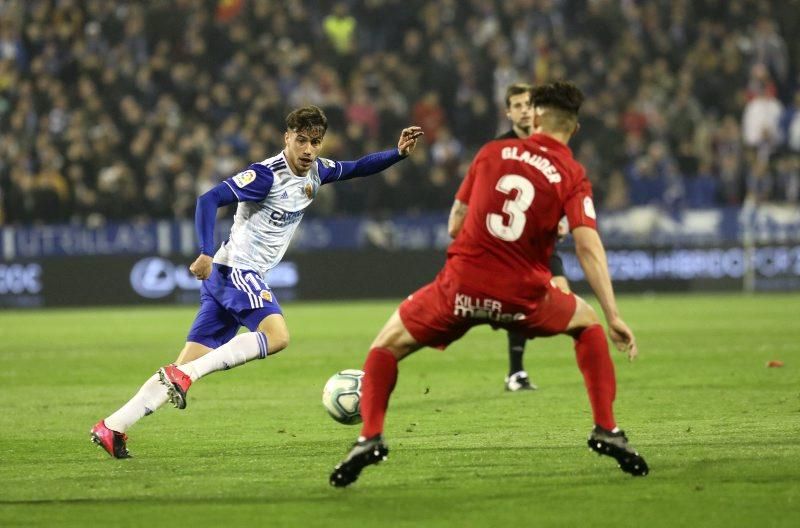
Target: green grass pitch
x,y
720,430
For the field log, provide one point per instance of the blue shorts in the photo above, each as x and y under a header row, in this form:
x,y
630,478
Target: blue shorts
x,y
231,298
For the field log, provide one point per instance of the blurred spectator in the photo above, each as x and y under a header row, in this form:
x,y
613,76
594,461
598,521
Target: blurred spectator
x,y
50,196
702,189
787,179
340,28
645,185
429,114
759,182
731,179
761,120
792,127
363,113
117,197
654,179
447,150
437,188
616,193
769,49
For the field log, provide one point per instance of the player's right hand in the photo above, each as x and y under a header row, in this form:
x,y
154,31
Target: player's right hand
x,y
623,338
408,140
201,267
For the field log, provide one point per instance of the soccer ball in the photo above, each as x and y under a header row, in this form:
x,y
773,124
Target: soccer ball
x,y
342,396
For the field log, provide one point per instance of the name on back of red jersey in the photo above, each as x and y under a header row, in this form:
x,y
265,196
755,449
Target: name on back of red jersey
x,y
534,160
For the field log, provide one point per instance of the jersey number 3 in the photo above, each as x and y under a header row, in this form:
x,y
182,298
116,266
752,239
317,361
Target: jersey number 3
x,y
515,208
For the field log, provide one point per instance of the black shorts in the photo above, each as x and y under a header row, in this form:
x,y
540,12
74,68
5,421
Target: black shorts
x,y
556,265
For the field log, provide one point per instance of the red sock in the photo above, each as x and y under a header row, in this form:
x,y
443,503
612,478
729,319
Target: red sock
x,y
591,351
380,376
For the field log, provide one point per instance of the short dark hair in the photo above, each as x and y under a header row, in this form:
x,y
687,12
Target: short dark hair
x,y
559,95
516,89
562,99
309,119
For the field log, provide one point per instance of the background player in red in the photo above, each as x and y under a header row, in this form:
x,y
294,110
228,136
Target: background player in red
x,y
520,112
497,272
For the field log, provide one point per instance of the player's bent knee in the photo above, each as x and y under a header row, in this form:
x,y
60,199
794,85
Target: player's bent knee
x,y
584,316
395,338
398,348
277,342
589,315
274,327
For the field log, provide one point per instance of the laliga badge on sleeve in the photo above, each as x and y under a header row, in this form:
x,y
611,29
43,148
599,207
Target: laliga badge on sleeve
x,y
266,295
244,178
588,208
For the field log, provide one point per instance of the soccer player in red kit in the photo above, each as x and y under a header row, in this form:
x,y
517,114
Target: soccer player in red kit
x,y
497,272
519,110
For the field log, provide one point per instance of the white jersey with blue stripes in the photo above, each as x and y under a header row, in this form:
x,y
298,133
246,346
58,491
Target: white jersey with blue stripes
x,y
272,201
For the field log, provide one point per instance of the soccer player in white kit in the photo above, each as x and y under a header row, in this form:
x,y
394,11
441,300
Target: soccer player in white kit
x,y
272,197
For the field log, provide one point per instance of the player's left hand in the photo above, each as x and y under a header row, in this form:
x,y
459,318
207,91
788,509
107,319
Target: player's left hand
x,y
623,338
408,139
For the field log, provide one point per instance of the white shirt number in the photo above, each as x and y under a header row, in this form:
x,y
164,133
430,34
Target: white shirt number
x,y
515,208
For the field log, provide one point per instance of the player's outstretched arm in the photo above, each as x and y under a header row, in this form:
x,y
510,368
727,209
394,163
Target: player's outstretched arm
x,y
592,256
371,163
456,219
204,219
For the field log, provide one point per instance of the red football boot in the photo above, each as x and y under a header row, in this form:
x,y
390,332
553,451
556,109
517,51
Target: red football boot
x,y
112,441
177,383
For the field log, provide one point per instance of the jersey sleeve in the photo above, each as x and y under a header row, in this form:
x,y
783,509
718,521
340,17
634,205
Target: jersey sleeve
x,y
252,184
332,171
329,170
465,189
579,204
206,213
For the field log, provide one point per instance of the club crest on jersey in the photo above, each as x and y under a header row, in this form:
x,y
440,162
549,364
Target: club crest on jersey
x,y
309,190
244,178
266,295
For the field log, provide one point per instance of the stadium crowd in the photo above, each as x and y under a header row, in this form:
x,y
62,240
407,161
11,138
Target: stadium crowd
x,y
118,110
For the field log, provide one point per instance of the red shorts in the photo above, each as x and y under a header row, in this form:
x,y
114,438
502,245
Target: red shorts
x,y
441,312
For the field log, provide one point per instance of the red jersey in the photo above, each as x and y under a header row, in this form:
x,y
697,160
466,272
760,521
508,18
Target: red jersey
x,y
517,191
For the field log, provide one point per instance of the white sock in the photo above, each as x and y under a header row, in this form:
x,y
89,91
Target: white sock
x,y
150,397
238,351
